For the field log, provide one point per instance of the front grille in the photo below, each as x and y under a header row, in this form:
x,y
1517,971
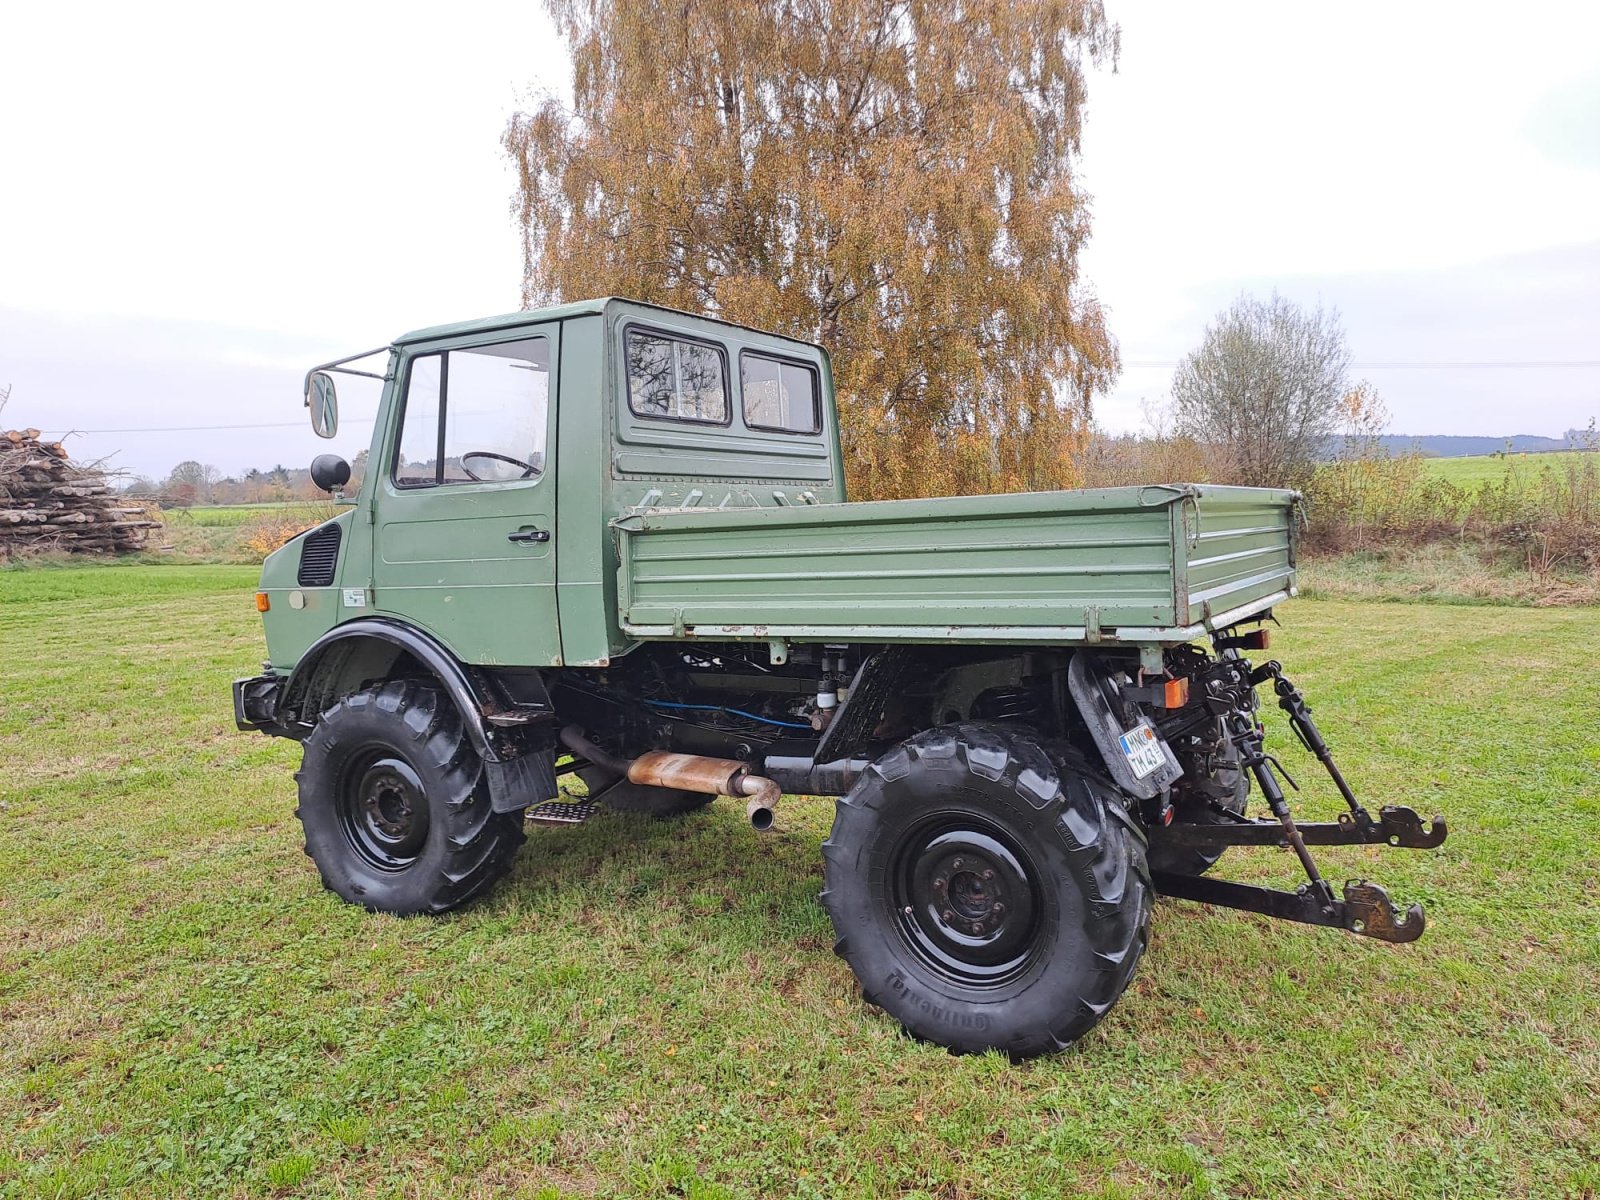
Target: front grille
x,y
319,551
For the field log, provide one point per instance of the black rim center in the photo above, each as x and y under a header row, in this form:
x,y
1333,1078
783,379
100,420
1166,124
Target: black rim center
x,y
966,900
970,897
384,811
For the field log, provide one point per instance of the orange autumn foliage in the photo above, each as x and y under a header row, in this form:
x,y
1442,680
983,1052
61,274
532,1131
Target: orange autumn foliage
x,y
893,180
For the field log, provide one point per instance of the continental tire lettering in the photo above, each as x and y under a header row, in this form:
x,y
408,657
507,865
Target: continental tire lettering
x,y
962,1020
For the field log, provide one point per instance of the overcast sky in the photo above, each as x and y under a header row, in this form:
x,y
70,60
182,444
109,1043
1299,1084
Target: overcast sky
x,y
199,201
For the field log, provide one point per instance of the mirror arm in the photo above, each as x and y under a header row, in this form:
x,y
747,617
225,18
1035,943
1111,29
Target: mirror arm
x,y
337,365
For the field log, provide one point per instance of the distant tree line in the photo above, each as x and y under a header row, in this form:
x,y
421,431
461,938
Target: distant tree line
x,y
191,482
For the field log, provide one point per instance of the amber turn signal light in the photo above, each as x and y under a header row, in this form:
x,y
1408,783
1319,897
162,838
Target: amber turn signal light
x,y
1175,694
263,602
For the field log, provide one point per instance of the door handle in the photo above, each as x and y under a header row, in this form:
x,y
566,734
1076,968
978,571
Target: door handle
x,y
529,535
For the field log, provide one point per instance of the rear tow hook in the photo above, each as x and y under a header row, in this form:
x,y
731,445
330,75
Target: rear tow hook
x,y
1366,909
1370,912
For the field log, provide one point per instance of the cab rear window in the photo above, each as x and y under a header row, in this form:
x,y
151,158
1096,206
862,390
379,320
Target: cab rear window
x,y
779,394
674,379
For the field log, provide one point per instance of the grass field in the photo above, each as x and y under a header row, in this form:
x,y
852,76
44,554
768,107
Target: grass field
x,y
1469,471
1444,572
225,515
652,1009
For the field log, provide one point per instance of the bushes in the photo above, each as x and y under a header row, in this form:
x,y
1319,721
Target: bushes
x,y
1532,535
236,535
1130,461
271,529
1547,515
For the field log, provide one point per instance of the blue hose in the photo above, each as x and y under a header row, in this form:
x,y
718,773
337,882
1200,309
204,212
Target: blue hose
x,y
738,712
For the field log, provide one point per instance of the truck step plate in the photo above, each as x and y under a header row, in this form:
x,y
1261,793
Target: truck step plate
x,y
556,812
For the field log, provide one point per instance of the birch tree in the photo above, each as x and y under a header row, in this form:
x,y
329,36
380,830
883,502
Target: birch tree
x,y
895,180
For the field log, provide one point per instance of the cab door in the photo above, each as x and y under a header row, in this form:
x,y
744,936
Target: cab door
x,y
465,512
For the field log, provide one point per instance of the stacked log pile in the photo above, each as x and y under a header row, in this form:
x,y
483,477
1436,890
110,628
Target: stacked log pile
x,y
48,502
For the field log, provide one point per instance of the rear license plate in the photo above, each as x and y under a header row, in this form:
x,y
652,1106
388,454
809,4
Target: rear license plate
x,y
1143,750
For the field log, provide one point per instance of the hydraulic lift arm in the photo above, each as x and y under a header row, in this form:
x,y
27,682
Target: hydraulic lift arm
x,y
1228,689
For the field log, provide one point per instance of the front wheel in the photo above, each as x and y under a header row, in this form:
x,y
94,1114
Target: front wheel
x,y
396,813
987,895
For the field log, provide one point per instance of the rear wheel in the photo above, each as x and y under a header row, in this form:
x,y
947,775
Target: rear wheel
x,y
395,810
987,894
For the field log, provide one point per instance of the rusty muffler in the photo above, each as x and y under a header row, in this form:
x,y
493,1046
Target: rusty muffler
x,y
686,772
721,776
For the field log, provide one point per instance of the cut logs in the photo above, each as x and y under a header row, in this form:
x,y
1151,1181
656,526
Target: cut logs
x,y
48,502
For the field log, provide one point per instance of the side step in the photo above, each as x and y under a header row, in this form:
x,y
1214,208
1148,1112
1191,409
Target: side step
x,y
562,812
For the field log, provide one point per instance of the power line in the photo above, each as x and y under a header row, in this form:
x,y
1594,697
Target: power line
x,y
1452,366
211,428
1480,366
1487,365
187,428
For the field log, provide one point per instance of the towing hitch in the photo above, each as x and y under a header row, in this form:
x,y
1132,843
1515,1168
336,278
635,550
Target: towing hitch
x,y
1228,689
1366,908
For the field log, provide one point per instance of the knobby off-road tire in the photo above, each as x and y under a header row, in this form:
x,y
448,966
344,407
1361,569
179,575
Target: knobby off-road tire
x,y
394,805
1228,787
618,794
987,894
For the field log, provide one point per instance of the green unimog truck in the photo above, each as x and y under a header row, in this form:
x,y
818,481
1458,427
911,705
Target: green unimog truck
x,y
612,541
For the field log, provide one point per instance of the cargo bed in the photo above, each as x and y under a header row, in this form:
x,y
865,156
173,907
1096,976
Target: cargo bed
x,y
1133,564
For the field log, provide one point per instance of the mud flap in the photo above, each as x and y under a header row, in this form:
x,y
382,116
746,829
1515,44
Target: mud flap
x,y
1095,688
523,781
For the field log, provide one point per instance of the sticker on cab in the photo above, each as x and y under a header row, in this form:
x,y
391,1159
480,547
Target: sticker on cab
x,y
1142,749
355,597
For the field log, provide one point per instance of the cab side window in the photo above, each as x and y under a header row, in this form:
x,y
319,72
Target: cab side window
x,y
476,415
675,379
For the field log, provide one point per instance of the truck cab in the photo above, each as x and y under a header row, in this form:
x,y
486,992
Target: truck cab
x,y
505,446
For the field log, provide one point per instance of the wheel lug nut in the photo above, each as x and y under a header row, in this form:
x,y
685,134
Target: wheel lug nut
x,y
998,909
948,915
940,884
956,864
988,874
978,928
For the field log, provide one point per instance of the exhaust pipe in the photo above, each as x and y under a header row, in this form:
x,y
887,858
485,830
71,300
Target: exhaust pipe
x,y
763,795
686,772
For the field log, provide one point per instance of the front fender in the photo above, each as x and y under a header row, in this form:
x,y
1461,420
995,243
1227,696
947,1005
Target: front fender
x,y
519,767
325,660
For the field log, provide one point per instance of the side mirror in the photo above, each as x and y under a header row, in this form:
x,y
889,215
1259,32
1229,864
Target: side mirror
x,y
323,401
329,472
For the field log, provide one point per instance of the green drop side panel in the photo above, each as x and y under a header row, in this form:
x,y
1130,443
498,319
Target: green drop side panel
x,y
1142,563
1239,548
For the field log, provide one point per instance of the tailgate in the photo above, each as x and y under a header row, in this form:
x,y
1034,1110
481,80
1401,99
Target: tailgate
x,y
1239,551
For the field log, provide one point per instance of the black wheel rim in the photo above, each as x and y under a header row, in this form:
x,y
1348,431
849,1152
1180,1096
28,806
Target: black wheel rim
x,y
384,810
966,900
